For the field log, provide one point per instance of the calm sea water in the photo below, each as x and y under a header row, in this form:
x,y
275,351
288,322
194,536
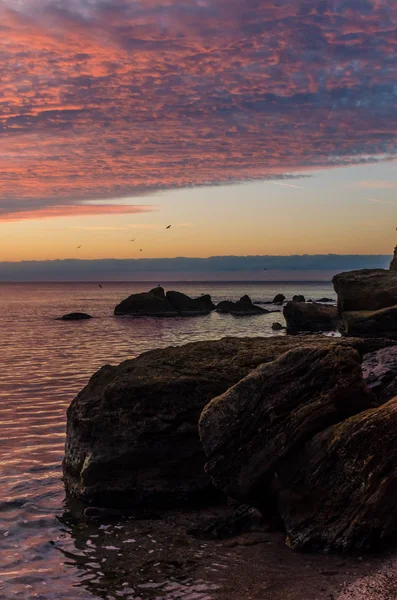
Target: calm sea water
x,y
44,363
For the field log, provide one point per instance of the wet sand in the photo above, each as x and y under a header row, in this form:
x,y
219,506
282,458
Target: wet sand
x,y
159,559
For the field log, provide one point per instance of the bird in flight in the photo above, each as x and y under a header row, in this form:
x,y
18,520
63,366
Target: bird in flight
x,y
99,285
168,227
133,240
140,250
78,247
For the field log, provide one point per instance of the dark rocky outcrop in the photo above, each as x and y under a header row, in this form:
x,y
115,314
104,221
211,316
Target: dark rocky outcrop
x,y
153,303
132,436
278,299
158,304
243,307
273,412
374,323
302,316
76,316
186,306
380,373
393,264
325,300
367,289
298,298
277,327
339,493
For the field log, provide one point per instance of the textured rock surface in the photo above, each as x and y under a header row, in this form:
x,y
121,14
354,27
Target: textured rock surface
x,y
274,411
77,316
380,373
301,316
298,298
393,264
382,323
132,433
340,493
367,289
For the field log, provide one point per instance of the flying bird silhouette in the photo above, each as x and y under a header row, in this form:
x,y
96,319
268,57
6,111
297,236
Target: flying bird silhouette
x,y
78,247
168,227
99,285
140,250
133,240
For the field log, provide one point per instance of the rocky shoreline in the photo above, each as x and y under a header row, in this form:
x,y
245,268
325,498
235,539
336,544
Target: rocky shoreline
x,y
299,428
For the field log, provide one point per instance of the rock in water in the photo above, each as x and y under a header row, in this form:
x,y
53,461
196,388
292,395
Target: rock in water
x,y
186,306
277,327
339,492
393,264
374,323
274,412
244,307
76,316
298,298
132,435
152,303
278,299
301,316
367,289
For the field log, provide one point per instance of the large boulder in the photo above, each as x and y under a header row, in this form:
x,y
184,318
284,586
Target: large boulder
x,y
367,289
132,436
186,306
274,411
374,323
302,316
298,298
243,307
393,264
339,492
153,303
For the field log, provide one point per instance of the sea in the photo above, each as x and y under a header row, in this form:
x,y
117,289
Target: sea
x,y
44,363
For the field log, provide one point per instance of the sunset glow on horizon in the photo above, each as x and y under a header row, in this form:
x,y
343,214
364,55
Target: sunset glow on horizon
x,y
255,127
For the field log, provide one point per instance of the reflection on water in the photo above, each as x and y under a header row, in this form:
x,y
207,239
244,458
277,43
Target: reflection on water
x,y
44,363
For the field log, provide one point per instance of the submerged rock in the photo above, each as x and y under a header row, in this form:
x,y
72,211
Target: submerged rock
x,y
277,327
76,316
311,316
325,300
367,289
339,492
132,435
274,411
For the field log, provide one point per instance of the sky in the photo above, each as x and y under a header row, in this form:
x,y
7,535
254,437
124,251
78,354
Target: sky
x,y
263,127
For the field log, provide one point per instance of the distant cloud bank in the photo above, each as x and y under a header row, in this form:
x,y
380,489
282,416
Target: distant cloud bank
x,y
297,267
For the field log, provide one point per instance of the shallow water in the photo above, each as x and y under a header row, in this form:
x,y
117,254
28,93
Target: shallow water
x,y
44,363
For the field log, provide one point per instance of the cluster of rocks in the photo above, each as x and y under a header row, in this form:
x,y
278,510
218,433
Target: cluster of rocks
x,y
303,433
157,303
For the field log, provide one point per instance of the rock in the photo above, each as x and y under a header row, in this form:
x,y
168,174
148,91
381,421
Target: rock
x,y
393,264
186,306
153,303
339,492
243,307
273,412
374,323
278,299
367,289
298,298
301,316
380,373
132,436
243,519
277,327
246,298
325,300
76,316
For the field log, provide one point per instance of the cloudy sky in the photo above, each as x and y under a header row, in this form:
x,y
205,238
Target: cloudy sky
x,y
254,127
